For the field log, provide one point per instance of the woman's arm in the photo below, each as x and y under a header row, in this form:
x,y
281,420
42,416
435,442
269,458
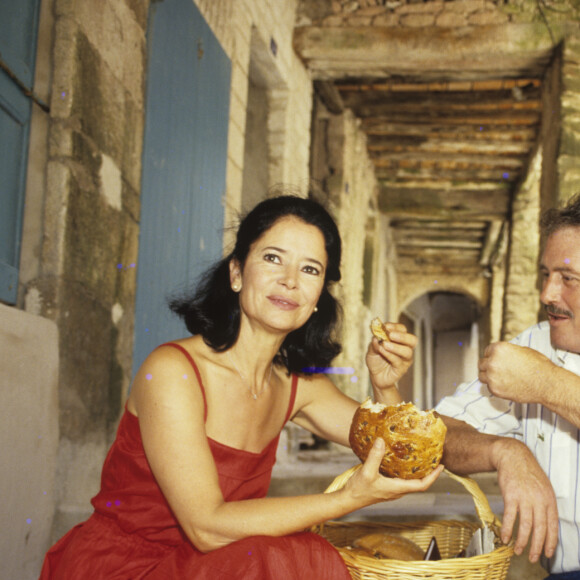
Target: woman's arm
x,y
169,404
325,411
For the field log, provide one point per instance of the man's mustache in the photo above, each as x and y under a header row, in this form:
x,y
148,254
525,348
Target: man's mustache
x,y
555,311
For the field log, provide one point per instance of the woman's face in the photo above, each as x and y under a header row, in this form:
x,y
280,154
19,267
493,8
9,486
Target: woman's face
x,y
283,275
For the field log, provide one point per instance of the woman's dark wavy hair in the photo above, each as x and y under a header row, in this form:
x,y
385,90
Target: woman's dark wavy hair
x,y
213,309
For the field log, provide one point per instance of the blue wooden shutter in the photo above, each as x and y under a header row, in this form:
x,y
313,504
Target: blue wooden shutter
x,y
18,31
184,165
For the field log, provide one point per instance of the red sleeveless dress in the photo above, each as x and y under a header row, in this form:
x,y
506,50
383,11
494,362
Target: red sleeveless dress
x,y
133,535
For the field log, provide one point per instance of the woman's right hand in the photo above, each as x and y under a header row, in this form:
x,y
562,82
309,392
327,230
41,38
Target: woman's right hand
x,y
368,486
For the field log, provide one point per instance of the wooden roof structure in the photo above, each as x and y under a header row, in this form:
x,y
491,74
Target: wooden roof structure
x,y
452,119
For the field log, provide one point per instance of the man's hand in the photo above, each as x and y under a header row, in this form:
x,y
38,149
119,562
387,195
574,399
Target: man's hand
x,y
514,372
526,490
524,375
527,493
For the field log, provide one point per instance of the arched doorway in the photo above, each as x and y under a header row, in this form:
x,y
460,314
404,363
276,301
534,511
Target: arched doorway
x,y
447,325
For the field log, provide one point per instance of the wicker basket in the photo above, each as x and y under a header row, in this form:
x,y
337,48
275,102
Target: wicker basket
x,y
452,537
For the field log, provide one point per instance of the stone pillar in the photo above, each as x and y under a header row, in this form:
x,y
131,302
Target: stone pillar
x,y
569,155
521,297
87,280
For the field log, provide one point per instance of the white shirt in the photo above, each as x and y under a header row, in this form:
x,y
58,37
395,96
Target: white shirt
x,y
554,441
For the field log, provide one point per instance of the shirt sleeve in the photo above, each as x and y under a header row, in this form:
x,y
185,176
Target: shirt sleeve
x,y
474,404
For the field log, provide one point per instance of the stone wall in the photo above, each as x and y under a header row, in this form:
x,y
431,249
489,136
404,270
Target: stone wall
x,y
521,297
258,34
80,267
569,154
437,13
343,176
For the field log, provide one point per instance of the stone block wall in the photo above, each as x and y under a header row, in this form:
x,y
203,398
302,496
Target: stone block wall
x,y
80,268
569,155
521,297
430,13
240,27
345,181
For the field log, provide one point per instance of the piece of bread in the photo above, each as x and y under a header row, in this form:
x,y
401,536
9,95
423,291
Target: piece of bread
x,y
413,438
378,329
391,546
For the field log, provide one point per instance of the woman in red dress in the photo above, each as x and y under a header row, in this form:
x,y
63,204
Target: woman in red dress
x,y
183,489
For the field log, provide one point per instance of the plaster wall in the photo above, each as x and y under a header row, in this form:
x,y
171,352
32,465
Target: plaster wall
x,y
28,440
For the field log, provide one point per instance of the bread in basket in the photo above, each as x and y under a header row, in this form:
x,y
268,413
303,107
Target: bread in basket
x,y
452,537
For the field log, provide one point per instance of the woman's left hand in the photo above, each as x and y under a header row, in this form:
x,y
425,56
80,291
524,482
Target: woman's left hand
x,y
388,361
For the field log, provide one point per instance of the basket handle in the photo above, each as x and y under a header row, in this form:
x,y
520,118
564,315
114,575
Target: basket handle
x,y
482,507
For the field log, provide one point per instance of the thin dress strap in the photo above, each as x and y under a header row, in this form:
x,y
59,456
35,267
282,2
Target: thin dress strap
x,y
293,390
192,363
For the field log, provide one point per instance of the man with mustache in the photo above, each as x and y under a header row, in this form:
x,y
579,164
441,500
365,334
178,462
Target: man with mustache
x,y
522,416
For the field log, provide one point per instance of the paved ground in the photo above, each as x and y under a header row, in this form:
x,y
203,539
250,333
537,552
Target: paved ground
x,y
446,499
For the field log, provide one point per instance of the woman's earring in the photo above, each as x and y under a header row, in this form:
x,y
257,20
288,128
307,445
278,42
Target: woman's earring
x,y
316,309
236,287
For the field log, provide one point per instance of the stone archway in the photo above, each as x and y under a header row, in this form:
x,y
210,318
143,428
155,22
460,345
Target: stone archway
x,y
447,325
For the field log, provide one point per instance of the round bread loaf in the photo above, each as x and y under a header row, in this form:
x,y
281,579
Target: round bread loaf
x,y
392,546
413,438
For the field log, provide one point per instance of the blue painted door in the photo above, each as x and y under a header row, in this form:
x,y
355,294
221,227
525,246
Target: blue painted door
x,y
184,165
18,30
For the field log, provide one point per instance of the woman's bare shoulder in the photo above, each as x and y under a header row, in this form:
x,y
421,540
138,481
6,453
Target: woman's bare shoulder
x,y
166,373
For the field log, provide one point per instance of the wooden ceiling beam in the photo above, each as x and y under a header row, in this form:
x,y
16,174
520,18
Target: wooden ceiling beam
x,y
446,177
388,146
411,186
527,86
374,126
434,245
433,53
459,262
428,159
448,205
430,226
404,235
427,117
404,103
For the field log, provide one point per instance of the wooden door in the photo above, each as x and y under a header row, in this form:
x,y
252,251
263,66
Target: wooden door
x,y
184,165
